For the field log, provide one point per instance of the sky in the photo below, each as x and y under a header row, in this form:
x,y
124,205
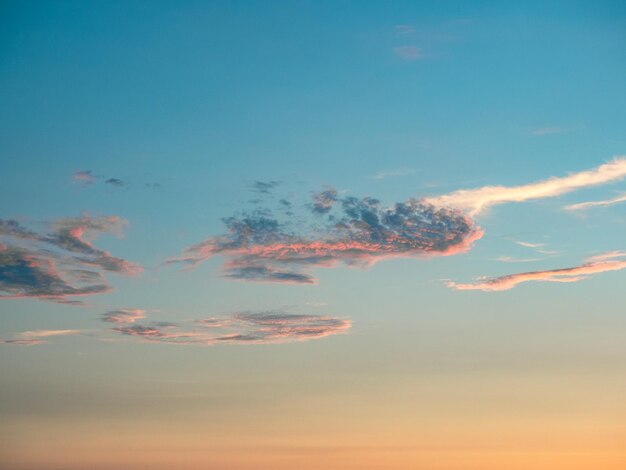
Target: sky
x,y
297,234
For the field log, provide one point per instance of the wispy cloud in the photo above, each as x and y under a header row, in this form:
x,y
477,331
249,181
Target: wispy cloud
x,y
264,187
393,173
591,204
61,263
548,130
404,30
538,247
124,315
475,201
269,327
528,244
510,259
606,256
89,177
31,338
84,177
598,264
408,53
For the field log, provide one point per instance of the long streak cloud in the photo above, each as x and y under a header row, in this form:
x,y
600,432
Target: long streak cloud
x,y
270,327
475,201
591,204
31,338
612,261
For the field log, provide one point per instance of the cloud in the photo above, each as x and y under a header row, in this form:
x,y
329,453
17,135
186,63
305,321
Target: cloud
x,y
404,30
588,205
598,264
408,53
324,201
509,259
116,182
271,327
72,234
123,315
31,274
357,232
264,187
538,247
88,177
251,272
548,130
475,201
84,177
31,338
392,173
606,256
528,244
59,264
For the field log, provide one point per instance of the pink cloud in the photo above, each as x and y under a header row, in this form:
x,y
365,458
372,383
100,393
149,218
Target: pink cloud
x,y
361,233
124,315
595,265
31,338
60,264
273,327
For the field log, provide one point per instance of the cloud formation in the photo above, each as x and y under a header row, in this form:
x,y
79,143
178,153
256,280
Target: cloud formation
x,y
271,327
116,182
264,187
84,177
605,262
358,232
354,232
591,204
475,201
61,263
31,338
324,201
124,315
88,177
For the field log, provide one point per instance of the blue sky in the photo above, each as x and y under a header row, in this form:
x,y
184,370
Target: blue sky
x,y
133,131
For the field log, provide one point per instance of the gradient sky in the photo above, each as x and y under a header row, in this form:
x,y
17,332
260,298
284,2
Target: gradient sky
x,y
344,235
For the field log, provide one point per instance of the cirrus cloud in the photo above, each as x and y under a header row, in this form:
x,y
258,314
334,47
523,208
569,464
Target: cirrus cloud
x,y
605,262
591,204
475,201
269,327
31,338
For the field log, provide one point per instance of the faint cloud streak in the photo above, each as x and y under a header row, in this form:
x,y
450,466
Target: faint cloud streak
x,y
595,265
